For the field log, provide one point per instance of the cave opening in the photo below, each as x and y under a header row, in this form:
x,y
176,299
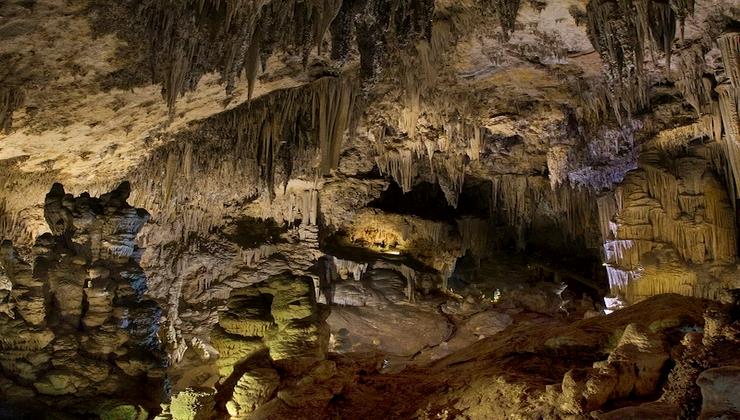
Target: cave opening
x,y
425,200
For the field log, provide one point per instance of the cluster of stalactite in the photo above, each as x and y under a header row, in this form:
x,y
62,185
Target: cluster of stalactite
x,y
379,26
620,31
192,37
593,157
715,100
521,199
675,216
288,134
444,160
429,135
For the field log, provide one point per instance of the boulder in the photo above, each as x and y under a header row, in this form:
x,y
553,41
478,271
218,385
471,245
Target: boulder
x,y
720,391
255,387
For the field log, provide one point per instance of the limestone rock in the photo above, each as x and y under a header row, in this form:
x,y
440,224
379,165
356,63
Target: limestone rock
x,y
114,410
233,350
585,390
639,359
254,388
192,404
719,390
634,367
58,383
653,411
308,395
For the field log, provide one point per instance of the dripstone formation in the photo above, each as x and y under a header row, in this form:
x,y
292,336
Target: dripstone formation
x,y
76,325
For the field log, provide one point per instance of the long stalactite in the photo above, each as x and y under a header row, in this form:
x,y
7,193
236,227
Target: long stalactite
x,y
292,133
190,38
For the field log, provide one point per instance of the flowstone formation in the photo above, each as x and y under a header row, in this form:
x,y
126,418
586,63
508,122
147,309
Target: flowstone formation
x,y
78,332
673,232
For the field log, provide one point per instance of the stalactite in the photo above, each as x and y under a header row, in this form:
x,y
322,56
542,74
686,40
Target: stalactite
x,y
474,234
619,279
720,159
507,11
729,45
576,211
11,98
695,88
683,8
614,33
288,134
399,164
558,156
518,198
664,188
299,200
346,267
459,145
728,105
452,177
619,31
721,216
252,257
607,208
192,37
727,161
659,20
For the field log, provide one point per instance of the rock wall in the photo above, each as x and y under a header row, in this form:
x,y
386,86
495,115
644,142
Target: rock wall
x,y
673,229
77,328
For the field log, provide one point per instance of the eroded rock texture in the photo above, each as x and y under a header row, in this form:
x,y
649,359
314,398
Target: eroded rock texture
x,y
77,326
